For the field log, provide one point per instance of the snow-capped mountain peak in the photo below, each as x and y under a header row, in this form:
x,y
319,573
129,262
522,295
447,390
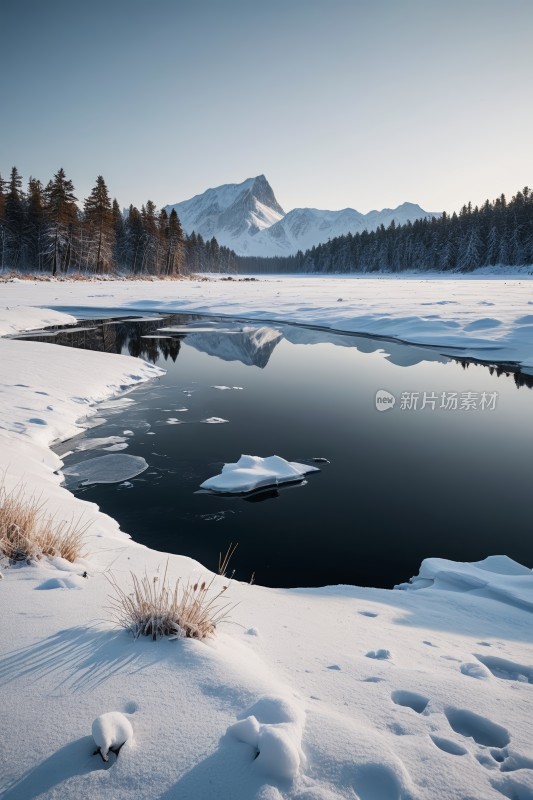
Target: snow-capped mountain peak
x,y
232,213
247,218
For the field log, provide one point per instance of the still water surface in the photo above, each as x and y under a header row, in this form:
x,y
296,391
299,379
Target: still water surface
x,y
400,485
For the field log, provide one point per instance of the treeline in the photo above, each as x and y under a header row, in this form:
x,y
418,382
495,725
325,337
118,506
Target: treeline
x,y
497,233
44,229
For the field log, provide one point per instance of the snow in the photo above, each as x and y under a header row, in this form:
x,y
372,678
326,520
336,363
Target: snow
x,y
284,702
17,318
253,472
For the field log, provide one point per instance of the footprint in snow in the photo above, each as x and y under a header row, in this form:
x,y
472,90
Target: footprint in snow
x,y
449,746
505,669
379,655
417,702
475,670
481,729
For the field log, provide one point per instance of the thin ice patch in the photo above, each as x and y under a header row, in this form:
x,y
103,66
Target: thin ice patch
x,y
112,468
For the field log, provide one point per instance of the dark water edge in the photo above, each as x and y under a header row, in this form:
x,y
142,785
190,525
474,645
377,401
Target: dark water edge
x,y
401,485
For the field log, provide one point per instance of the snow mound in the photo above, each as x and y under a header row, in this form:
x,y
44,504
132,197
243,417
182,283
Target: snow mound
x,y
110,731
68,582
253,472
104,469
274,731
496,577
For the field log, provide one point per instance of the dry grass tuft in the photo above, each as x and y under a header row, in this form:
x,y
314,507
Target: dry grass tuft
x,y
155,608
28,532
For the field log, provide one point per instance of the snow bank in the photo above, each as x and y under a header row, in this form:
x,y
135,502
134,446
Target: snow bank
x,y
253,472
496,577
24,318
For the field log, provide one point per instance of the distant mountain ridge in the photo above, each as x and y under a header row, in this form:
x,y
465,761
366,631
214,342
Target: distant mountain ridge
x,y
247,218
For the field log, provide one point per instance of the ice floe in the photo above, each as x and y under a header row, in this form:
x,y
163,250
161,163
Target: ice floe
x,y
253,472
104,442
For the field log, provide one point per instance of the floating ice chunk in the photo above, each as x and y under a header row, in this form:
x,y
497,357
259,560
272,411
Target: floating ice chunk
x,y
173,421
116,405
215,420
104,469
252,472
105,441
114,448
222,388
187,329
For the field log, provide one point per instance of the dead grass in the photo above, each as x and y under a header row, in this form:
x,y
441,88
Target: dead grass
x,y
28,532
155,608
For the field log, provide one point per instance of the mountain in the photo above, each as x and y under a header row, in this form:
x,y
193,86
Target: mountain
x,y
247,218
233,213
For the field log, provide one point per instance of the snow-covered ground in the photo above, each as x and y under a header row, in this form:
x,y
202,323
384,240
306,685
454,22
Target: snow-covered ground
x,y
489,317
307,694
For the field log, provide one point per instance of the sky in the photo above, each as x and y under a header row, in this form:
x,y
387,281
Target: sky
x,y
340,103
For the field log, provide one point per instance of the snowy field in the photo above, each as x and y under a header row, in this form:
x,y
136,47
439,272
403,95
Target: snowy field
x,y
489,317
307,694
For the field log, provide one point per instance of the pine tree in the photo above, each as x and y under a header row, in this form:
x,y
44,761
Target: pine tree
x,y
120,238
14,220
35,224
62,216
3,230
99,224
134,239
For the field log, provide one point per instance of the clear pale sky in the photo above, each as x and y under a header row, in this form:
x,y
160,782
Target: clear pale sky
x,y
361,103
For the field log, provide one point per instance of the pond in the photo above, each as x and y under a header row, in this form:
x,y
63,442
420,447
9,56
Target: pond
x,y
444,470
